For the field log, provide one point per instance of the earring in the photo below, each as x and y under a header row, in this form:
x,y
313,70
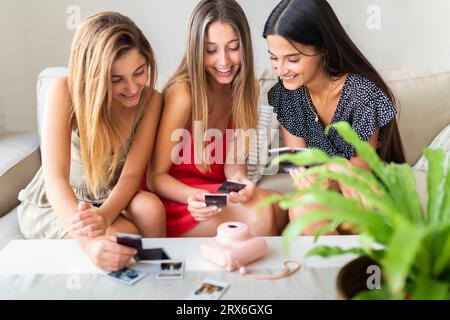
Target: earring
x,y
325,59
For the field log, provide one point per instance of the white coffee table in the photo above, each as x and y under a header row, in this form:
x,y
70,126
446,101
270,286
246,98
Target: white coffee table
x,y
58,269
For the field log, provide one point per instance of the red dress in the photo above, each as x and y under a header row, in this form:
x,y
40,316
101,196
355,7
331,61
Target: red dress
x,y
178,219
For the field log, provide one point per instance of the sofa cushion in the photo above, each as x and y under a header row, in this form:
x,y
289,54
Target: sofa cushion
x,y
45,79
267,131
423,101
9,228
19,162
441,141
281,182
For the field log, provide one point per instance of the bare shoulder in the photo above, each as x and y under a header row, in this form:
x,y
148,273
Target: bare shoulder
x,y
60,87
58,97
153,101
178,96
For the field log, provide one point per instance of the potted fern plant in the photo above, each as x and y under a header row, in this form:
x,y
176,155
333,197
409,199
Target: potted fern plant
x,y
410,243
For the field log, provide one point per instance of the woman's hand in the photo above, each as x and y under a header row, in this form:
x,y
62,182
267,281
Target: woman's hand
x,y
107,254
347,191
305,182
308,181
87,222
198,209
245,194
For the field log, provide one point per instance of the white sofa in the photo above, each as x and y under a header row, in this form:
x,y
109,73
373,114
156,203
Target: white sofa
x,y
424,111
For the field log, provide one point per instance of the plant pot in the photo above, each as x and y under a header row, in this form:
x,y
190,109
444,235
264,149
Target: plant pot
x,y
352,278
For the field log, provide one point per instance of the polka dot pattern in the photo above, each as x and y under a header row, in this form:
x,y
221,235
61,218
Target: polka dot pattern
x,y
362,104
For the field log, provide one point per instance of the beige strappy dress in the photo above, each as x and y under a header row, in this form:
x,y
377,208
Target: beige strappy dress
x,y
37,219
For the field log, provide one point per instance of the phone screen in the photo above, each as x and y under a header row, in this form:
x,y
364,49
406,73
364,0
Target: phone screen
x,y
153,254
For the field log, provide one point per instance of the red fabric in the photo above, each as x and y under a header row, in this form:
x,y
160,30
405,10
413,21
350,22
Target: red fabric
x,y
178,218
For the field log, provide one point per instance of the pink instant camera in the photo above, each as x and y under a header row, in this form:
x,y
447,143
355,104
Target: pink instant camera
x,y
233,247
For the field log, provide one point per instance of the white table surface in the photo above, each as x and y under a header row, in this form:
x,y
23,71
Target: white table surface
x,y
47,269
63,256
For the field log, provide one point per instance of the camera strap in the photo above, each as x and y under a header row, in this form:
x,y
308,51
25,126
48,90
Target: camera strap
x,y
285,273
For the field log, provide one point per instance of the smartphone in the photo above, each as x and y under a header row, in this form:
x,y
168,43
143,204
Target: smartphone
x,y
129,240
279,151
287,166
153,254
218,200
135,241
230,186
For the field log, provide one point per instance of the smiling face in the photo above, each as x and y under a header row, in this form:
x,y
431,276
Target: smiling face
x,y
295,69
222,52
129,75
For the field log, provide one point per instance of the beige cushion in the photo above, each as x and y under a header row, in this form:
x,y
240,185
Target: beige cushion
x,y
281,182
424,103
267,79
19,162
267,131
441,141
421,186
45,79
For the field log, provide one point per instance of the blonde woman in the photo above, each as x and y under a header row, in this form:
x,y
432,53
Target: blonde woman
x,y
214,89
98,134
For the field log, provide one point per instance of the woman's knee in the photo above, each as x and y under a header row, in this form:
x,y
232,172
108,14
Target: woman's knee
x,y
146,204
295,213
263,222
122,225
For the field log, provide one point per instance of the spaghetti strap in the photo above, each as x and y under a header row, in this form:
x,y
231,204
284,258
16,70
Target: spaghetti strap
x,y
140,110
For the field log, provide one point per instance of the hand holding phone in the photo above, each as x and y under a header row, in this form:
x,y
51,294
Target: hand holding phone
x,y
286,165
239,192
203,206
217,200
135,241
230,186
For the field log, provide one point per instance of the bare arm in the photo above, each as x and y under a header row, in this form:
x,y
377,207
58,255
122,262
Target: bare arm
x,y
358,161
292,141
136,161
56,142
176,115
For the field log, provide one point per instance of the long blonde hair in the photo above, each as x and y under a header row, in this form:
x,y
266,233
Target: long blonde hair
x,y
100,40
192,70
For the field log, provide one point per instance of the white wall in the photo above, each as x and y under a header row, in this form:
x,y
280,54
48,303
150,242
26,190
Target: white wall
x,y
34,35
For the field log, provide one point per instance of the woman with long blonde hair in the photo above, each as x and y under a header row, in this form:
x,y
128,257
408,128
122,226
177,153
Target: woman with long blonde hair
x,y
98,132
212,96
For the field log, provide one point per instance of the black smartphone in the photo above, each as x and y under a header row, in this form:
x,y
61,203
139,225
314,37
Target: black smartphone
x,y
135,241
129,240
218,200
287,166
230,186
153,254
279,151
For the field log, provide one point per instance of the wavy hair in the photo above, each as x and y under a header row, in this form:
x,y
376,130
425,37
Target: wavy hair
x,y
101,39
192,70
